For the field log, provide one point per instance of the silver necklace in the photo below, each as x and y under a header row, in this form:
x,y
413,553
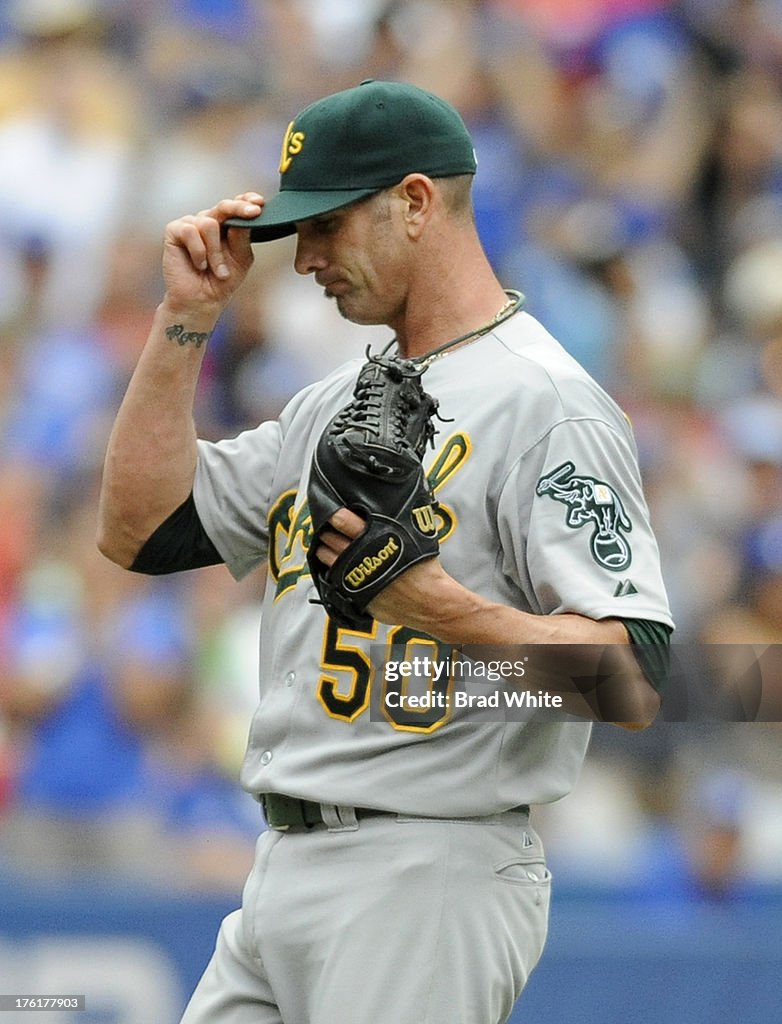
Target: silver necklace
x,y
507,310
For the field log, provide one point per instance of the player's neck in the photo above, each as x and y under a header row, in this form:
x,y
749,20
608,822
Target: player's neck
x,y
452,315
450,296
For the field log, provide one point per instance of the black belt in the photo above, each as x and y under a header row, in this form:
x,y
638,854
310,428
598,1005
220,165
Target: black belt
x,y
283,812
290,812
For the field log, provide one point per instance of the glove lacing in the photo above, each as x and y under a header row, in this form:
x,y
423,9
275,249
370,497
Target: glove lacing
x,y
371,400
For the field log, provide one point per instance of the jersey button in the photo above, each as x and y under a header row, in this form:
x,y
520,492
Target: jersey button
x,y
290,679
266,756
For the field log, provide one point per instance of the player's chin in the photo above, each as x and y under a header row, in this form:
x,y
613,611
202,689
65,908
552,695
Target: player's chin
x,y
352,312
358,308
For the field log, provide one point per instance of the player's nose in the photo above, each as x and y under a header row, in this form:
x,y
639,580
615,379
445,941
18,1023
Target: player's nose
x,y
307,259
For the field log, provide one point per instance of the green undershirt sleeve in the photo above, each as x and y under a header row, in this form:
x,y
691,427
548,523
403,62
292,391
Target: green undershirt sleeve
x,y
651,641
179,543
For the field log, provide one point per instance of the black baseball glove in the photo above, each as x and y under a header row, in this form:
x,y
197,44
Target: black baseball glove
x,y
368,459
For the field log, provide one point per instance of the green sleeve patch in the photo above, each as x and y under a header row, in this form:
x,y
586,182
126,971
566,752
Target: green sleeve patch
x,y
595,503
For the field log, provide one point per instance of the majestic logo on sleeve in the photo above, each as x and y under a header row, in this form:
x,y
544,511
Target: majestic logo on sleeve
x,y
591,501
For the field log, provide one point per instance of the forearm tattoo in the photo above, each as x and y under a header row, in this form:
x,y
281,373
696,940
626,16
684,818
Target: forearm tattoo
x,y
177,333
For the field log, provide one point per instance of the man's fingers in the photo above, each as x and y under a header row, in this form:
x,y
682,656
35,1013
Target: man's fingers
x,y
187,234
215,253
249,205
200,234
336,538
331,545
325,555
347,522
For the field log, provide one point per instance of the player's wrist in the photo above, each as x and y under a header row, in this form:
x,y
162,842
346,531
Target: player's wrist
x,y
455,615
193,316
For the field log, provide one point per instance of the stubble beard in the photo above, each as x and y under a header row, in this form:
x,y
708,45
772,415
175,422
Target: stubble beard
x,y
352,312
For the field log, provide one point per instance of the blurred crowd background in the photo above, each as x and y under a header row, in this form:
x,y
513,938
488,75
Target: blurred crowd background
x,y
629,182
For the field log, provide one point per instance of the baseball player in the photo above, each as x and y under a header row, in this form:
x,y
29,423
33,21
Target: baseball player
x,y
399,880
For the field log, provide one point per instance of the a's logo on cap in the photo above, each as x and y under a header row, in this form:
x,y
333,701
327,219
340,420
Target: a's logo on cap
x,y
291,146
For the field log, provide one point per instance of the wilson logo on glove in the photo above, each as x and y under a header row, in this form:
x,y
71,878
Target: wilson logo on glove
x,y
361,574
424,519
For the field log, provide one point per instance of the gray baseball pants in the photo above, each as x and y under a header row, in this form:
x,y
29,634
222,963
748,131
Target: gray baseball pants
x,y
388,920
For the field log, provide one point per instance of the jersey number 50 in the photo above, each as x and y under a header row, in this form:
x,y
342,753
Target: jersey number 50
x,y
350,666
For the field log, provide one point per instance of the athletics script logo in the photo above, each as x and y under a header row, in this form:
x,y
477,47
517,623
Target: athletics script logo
x,y
591,501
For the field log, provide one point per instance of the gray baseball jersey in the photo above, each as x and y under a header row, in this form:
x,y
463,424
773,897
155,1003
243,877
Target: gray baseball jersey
x,y
540,508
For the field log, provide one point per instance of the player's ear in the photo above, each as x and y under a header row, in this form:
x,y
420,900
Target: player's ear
x,y
417,193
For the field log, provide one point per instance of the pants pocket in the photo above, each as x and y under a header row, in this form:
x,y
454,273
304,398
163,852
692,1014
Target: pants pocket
x,y
523,871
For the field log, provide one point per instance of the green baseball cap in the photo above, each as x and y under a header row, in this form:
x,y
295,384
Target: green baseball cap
x,y
354,143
